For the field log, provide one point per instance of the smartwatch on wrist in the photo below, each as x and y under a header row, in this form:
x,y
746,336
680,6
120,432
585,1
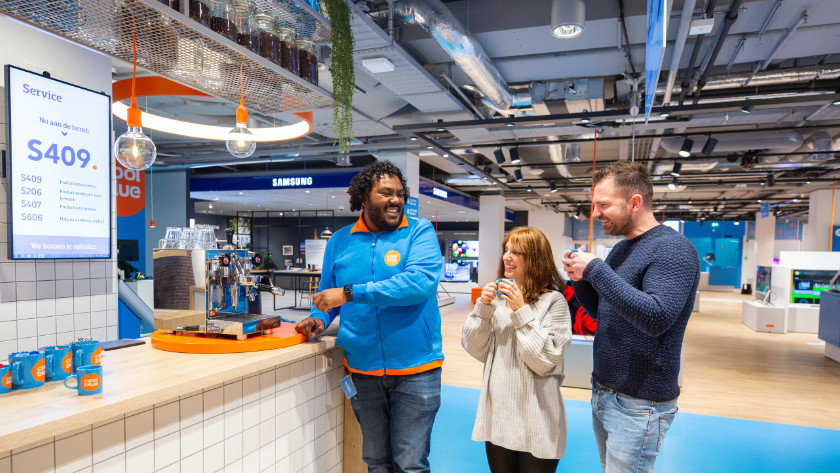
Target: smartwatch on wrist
x,y
348,292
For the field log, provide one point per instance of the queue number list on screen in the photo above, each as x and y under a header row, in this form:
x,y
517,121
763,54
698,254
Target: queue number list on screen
x,y
59,142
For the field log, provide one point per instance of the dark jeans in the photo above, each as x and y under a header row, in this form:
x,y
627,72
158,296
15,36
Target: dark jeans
x,y
396,414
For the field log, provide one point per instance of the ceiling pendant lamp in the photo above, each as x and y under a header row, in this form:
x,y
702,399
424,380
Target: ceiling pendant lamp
x,y
240,141
133,149
567,18
685,151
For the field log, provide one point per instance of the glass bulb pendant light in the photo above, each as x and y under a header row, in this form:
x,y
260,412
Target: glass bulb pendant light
x,y
133,149
240,141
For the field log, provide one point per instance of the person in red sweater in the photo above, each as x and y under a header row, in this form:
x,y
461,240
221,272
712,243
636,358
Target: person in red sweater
x,y
582,323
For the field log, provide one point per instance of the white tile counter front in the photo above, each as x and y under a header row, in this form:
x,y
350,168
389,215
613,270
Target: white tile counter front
x,y
277,411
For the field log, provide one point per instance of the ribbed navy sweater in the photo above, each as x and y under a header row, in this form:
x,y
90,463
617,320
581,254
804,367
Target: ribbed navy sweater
x,y
642,296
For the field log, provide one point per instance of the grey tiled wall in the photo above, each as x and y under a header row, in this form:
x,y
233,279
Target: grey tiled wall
x,y
55,301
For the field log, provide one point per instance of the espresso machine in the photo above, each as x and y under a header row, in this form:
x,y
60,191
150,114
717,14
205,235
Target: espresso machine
x,y
230,289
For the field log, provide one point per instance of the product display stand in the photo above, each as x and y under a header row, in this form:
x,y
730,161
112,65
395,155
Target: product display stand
x,y
764,318
280,337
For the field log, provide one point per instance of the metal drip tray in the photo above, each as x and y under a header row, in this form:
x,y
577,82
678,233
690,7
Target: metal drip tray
x,y
240,326
171,44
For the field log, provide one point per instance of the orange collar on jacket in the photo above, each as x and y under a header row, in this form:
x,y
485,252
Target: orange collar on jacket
x,y
361,226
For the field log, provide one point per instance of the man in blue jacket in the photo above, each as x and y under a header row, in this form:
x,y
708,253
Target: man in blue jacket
x,y
381,274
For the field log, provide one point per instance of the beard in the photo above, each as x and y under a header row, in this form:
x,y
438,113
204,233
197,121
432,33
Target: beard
x,y
619,226
379,219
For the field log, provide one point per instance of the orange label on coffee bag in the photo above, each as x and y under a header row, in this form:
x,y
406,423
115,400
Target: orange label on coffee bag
x,y
39,371
392,258
96,358
67,363
90,382
7,380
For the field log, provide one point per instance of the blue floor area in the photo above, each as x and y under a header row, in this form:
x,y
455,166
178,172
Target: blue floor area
x,y
695,443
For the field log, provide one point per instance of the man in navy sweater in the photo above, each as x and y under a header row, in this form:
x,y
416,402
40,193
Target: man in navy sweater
x,y
642,296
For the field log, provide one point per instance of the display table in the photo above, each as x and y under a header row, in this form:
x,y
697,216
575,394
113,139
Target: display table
x,y
167,411
803,318
829,325
764,318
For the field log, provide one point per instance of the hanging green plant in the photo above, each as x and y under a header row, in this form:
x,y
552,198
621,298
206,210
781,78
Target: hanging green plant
x,y
343,76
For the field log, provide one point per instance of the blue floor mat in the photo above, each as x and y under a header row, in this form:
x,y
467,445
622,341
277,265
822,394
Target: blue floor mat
x,y
695,443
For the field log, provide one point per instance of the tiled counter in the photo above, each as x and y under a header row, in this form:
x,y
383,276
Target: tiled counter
x,y
277,411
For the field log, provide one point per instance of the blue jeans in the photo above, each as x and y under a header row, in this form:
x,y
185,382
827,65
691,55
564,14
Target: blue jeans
x,y
396,414
629,430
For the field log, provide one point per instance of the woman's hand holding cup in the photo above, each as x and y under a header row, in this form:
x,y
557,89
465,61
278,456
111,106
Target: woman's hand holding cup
x,y
488,293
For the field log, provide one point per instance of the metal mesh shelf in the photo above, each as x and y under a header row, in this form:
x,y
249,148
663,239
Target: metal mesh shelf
x,y
172,45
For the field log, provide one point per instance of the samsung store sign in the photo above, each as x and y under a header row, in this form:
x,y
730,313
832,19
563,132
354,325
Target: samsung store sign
x,y
440,193
291,181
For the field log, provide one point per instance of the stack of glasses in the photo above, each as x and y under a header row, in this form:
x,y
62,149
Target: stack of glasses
x,y
200,237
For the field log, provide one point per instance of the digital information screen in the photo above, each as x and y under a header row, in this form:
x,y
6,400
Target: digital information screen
x,y
59,141
806,285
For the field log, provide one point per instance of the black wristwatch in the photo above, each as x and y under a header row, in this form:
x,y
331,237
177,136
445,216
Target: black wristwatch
x,y
348,292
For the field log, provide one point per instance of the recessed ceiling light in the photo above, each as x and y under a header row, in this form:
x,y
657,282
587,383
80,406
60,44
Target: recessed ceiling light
x,y
378,65
413,138
210,206
240,193
332,197
307,191
430,147
445,155
759,201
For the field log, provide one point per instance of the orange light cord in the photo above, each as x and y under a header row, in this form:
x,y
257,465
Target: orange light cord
x,y
241,112
592,201
831,228
133,115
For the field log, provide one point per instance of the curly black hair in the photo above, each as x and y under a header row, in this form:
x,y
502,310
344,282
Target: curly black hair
x,y
362,183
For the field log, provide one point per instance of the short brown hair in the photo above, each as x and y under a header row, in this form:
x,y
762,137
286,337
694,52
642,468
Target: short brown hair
x,y
630,178
541,273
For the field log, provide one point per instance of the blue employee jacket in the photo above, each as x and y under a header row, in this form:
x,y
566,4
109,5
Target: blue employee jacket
x,y
392,326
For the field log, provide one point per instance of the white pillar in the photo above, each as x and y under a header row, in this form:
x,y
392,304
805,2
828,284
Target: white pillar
x,y
765,235
409,164
819,220
554,227
491,232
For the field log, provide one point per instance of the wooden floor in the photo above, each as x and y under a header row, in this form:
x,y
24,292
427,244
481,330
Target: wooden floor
x,y
729,370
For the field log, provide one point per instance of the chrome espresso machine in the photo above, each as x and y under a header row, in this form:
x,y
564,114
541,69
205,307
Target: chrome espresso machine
x,y
230,289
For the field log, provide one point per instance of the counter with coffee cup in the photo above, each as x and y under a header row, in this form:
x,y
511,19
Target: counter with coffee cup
x,y
151,398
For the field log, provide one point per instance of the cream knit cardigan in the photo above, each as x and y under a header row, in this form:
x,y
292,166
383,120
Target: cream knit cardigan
x,y
521,407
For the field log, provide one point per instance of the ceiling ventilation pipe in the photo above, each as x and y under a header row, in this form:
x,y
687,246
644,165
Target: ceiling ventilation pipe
x,y
785,76
731,16
444,28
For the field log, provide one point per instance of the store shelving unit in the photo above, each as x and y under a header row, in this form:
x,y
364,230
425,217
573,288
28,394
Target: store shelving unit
x,y
174,46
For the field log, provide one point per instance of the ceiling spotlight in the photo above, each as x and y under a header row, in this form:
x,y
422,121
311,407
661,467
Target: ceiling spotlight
x,y
677,168
664,115
747,109
514,156
771,180
577,215
567,18
585,121
508,124
517,175
445,155
500,157
430,147
413,138
709,146
552,187
529,189
685,151
673,184
837,102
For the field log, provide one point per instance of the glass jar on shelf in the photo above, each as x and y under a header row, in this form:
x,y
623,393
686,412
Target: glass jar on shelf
x,y
221,18
268,42
288,49
245,20
173,4
307,63
200,11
